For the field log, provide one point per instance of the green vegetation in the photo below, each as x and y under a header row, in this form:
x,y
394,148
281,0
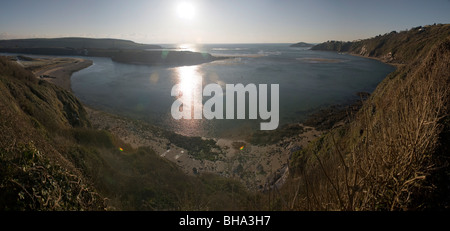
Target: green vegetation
x,y
392,154
201,149
29,181
52,159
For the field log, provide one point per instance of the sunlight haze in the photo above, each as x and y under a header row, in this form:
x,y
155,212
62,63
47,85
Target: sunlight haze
x,y
214,21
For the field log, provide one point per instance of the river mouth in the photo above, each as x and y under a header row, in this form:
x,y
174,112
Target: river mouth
x,y
308,81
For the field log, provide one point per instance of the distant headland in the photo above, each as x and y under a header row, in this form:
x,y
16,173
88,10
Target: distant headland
x,y
302,44
118,50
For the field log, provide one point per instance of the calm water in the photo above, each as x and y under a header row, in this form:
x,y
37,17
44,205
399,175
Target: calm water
x,y
308,80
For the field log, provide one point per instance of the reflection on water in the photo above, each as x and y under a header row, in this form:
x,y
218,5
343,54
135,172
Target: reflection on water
x,y
187,47
308,80
189,81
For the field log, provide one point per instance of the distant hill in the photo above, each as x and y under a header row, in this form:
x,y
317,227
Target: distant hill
x,y
163,57
75,43
123,51
392,155
302,44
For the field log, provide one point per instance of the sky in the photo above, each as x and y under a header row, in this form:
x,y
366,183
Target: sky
x,y
216,21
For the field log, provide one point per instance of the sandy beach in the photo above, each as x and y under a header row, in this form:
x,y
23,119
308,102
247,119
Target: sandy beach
x,y
257,166
55,70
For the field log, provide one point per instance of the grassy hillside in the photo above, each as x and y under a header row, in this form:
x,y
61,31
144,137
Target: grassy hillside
x,y
51,159
394,154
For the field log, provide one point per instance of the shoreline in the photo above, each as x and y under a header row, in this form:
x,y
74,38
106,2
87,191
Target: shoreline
x,y
56,70
396,65
257,166
61,74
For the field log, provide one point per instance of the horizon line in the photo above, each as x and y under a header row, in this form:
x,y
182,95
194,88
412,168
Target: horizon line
x,y
158,43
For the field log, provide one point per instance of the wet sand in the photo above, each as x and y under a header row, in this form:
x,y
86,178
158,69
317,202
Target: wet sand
x,y
55,70
258,167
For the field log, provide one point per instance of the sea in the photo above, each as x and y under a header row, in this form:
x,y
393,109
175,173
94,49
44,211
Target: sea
x,y
308,81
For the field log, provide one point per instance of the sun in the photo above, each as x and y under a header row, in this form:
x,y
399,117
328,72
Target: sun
x,y
186,10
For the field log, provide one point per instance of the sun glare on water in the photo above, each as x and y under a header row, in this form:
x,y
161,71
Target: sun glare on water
x,y
185,10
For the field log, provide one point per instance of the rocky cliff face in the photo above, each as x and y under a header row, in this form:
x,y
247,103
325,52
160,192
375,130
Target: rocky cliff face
x,y
394,47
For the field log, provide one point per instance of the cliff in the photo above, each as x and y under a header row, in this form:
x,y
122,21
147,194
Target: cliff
x,y
394,47
52,159
393,155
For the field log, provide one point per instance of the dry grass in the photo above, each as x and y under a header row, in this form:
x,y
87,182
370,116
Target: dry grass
x,y
52,159
384,158
395,154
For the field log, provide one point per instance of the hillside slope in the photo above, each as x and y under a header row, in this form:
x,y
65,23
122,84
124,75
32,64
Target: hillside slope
x,y
34,174
52,159
395,47
394,155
